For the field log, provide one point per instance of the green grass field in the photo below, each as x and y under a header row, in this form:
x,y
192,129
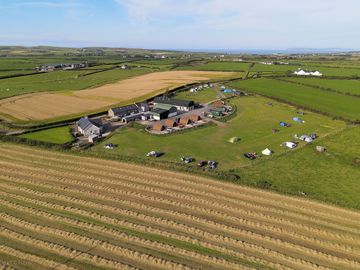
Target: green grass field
x,y
218,66
63,81
252,125
332,176
59,135
334,104
343,86
203,96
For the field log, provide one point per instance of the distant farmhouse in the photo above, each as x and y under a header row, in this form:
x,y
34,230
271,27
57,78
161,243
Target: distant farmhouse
x,y
53,67
87,127
301,72
179,104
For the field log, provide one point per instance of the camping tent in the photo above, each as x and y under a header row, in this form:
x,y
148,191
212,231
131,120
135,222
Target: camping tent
x,y
297,119
234,139
283,124
290,144
228,91
266,152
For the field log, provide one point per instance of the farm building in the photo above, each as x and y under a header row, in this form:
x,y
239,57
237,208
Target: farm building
x,y
158,127
184,121
128,110
132,117
170,123
163,111
217,104
180,104
87,127
195,117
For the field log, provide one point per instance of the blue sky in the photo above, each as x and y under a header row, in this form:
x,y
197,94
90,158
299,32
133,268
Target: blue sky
x,y
182,24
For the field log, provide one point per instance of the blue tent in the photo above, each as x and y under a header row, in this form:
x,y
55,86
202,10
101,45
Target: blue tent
x,y
228,91
297,119
283,124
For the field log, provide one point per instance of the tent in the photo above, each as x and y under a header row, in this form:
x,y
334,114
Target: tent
x,y
283,124
266,152
298,119
228,91
290,144
234,140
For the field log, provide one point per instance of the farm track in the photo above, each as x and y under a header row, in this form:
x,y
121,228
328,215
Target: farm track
x,y
112,215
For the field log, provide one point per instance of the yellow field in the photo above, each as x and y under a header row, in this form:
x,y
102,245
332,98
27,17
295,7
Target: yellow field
x,y
66,212
43,106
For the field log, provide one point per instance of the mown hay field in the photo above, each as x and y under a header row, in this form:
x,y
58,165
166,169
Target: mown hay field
x,y
45,106
60,211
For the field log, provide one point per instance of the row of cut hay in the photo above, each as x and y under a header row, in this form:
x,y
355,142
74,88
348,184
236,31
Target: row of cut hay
x,y
46,263
262,251
66,251
106,168
161,212
253,225
122,237
257,213
223,264
308,253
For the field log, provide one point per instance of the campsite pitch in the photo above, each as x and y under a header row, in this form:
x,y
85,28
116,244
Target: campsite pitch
x,y
67,212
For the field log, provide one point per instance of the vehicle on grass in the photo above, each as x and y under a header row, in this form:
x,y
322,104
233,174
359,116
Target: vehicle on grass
x,y
153,154
202,163
212,164
110,146
251,156
187,159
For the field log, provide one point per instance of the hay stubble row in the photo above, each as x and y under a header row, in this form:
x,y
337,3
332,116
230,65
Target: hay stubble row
x,y
165,220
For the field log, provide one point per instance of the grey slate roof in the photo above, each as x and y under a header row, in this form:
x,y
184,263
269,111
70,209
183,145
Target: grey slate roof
x,y
85,123
125,109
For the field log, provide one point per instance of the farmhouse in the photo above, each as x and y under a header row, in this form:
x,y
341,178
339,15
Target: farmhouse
x,y
180,104
87,127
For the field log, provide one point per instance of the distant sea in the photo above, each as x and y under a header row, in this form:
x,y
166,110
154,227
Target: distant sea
x,y
272,51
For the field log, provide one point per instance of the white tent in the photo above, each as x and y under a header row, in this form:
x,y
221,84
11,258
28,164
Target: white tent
x,y
266,152
316,73
290,144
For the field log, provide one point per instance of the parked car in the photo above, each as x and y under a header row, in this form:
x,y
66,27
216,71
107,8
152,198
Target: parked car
x,y
109,146
187,159
251,156
212,164
202,163
153,154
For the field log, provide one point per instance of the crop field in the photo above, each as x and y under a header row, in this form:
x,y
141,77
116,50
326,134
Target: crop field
x,y
66,212
63,81
58,135
351,87
45,106
332,103
219,66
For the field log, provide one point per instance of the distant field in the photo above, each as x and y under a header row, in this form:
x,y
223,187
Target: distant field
x,y
342,86
46,106
59,135
218,66
274,68
252,125
66,212
334,104
63,81
159,61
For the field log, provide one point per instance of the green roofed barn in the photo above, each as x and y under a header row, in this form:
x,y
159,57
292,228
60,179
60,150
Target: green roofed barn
x,y
180,104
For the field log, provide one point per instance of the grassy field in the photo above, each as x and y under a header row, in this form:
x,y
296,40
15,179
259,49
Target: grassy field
x,y
63,81
334,104
343,86
59,135
122,216
203,96
332,176
218,66
253,125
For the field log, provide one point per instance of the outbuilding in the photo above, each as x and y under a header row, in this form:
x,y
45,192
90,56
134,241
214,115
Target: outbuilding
x,y
87,127
158,127
195,117
180,104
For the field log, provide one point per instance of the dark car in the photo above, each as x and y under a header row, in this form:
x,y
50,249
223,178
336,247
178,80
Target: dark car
x,y
251,156
202,163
